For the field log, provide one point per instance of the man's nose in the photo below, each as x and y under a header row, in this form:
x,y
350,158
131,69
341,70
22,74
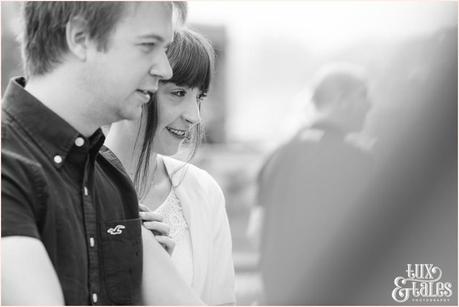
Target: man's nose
x,y
161,68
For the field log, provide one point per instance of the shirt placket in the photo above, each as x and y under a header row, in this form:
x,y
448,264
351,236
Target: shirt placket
x,y
89,213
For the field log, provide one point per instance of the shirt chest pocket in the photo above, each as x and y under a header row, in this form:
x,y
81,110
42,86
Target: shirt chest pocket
x,y
122,260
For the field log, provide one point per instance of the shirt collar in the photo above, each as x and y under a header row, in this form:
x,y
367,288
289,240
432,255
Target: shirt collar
x,y
54,135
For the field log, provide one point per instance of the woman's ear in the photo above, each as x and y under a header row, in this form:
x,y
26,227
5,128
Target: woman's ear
x,y
77,37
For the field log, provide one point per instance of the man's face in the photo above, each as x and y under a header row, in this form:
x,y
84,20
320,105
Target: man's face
x,y
121,78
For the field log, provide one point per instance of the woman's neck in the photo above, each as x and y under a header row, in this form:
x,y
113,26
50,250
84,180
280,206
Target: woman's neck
x,y
158,184
124,141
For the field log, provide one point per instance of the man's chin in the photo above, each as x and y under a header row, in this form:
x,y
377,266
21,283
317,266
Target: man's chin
x,y
133,115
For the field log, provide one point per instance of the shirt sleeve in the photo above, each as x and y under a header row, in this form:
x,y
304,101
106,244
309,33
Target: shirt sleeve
x,y
23,188
221,268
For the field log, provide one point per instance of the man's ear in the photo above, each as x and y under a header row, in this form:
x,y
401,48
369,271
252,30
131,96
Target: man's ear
x,y
77,37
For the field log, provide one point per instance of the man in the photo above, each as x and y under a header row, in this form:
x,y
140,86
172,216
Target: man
x,y
70,226
308,187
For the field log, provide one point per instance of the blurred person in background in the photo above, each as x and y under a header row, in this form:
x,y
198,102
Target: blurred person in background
x,y
308,186
71,232
181,203
408,212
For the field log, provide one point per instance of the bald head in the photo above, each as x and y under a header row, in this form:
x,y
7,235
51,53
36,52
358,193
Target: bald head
x,y
340,94
336,82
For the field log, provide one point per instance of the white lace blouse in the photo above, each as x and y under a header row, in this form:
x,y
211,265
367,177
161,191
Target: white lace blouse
x,y
182,256
203,208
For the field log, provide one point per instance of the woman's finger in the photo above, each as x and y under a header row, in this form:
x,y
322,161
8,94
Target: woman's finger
x,y
150,216
157,227
144,208
167,243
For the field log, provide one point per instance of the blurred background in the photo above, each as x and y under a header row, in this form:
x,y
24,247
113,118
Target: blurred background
x,y
267,54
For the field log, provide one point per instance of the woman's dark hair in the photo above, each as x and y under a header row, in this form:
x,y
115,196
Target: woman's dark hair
x,y
191,57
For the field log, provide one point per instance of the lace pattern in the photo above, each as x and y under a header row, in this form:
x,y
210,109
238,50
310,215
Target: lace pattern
x,y
172,212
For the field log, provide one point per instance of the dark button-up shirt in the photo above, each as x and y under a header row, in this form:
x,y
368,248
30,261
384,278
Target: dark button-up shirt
x,y
72,194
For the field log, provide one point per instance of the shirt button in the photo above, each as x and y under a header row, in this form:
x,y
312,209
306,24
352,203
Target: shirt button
x,y
85,189
79,141
94,298
57,159
92,242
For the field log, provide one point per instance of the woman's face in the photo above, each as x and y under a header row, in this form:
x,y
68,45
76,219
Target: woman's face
x,y
178,112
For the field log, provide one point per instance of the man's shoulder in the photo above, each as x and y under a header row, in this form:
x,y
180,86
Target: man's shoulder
x,y
304,142
311,136
111,158
19,170
13,132
299,144
110,163
7,123
9,156
17,146
21,157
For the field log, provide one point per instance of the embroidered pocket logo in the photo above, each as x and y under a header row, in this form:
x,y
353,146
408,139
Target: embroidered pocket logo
x,y
116,230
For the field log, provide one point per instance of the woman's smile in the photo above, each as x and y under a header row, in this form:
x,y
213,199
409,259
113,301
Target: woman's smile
x,y
178,133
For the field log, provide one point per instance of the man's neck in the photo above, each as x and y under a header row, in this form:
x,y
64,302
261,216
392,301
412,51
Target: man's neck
x,y
58,92
327,124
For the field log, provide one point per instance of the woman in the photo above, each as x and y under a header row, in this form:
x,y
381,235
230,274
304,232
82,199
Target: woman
x,y
173,193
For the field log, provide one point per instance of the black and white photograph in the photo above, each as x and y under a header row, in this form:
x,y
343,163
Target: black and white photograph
x,y
229,152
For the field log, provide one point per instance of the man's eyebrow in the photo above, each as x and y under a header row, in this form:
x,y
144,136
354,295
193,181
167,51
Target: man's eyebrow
x,y
152,36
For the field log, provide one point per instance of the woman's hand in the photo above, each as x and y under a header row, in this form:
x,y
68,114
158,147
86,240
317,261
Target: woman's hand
x,y
154,222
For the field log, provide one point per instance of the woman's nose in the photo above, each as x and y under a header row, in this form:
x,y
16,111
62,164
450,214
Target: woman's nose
x,y
192,115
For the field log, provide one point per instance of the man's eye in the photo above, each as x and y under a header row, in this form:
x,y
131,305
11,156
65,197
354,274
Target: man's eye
x,y
148,46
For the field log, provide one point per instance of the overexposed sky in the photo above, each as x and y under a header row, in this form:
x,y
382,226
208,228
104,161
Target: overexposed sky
x,y
266,40
327,24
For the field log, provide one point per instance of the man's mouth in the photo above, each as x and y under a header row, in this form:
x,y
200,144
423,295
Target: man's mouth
x,y
181,134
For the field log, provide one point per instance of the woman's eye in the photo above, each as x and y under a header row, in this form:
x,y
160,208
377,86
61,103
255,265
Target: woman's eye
x,y
179,93
201,97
